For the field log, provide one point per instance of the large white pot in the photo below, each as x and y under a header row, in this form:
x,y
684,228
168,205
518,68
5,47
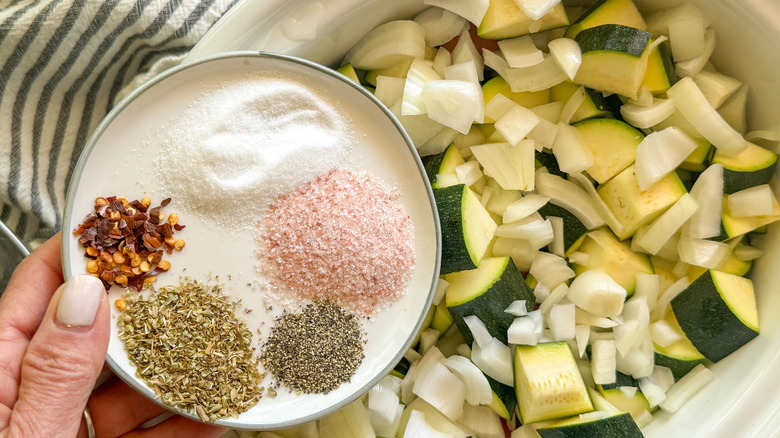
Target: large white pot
x,y
744,401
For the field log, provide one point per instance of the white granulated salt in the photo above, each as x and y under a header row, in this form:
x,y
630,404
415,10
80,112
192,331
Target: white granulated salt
x,y
245,142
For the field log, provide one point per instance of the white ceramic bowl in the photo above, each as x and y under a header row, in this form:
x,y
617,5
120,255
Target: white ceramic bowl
x,y
744,400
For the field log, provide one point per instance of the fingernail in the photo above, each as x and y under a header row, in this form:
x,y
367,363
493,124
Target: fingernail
x,y
80,300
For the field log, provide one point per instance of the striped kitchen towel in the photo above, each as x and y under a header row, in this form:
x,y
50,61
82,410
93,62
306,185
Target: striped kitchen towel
x,y
62,65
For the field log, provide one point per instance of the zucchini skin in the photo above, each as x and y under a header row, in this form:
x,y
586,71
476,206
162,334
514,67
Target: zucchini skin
x,y
573,229
490,306
504,393
734,181
707,320
618,426
679,367
613,38
454,253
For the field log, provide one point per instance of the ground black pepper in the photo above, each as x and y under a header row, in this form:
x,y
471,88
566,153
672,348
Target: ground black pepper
x,y
314,350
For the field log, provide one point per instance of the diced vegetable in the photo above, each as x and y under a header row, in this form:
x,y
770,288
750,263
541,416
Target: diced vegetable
x,y
467,228
387,45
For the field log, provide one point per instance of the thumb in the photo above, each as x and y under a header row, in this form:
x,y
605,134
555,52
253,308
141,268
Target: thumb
x,y
63,360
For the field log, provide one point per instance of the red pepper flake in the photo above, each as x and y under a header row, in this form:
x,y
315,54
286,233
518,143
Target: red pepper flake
x,y
343,237
125,241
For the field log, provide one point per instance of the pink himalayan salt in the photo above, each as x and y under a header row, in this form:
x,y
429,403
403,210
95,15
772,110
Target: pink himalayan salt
x,y
343,237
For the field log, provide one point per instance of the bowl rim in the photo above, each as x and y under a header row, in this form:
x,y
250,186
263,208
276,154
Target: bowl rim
x,y
319,69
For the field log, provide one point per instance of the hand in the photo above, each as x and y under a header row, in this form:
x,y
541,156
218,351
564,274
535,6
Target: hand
x,y
53,339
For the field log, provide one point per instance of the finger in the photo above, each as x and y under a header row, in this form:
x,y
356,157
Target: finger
x,y
117,408
179,427
22,307
63,361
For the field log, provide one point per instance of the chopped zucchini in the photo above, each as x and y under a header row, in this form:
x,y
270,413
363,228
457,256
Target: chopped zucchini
x,y
504,400
614,58
615,258
595,104
466,228
548,382
680,357
548,160
635,405
752,167
573,230
613,144
660,75
607,12
349,71
504,19
717,312
443,163
737,226
700,158
486,292
442,320
633,207
600,424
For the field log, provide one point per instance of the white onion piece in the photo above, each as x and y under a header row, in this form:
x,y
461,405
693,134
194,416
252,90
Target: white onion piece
x,y
543,134
652,237
596,292
647,286
515,125
537,77
660,153
478,330
600,206
603,361
464,71
639,361
520,251
418,427
465,51
686,37
581,336
643,97
388,45
567,54
561,322
442,60
536,9
483,421
746,252
389,90
568,195
495,360
636,318
570,150
523,331
557,245
644,117
667,296
520,52
658,22
733,109
664,334
438,143
652,392
556,295
550,111
517,308
420,128
440,25
428,338
708,192
524,207
537,232
579,258
763,134
753,201
442,389
550,269
468,172
690,101
700,252
512,166
695,65
686,387
716,87
498,106
420,73
584,317
478,390
628,391
572,105
445,102
472,10
382,404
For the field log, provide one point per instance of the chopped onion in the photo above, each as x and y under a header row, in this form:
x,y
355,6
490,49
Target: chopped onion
x,y
658,22
483,421
579,258
686,387
468,172
478,330
440,25
519,250
586,318
708,192
567,54
520,52
537,77
388,45
603,362
537,232
472,10
498,106
478,390
441,61
549,111
523,331
653,236
581,336
438,143
464,71
716,87
389,90
746,252
570,150
550,269
639,361
660,153
600,206
524,207
690,101
695,65
445,101
556,295
572,105
568,195
442,389
536,9
667,296
382,405
644,117
543,134
541,292
418,427
733,109
598,293
420,73
763,134
561,322
647,286
686,37
557,245
644,97
516,123
652,392
465,51
700,252
517,308
663,377
495,360
753,201
512,166
428,338
636,317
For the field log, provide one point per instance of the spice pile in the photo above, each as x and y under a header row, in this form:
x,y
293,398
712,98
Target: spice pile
x,y
125,241
315,350
191,349
342,237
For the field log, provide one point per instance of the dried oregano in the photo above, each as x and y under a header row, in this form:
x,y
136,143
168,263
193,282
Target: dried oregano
x,y
191,349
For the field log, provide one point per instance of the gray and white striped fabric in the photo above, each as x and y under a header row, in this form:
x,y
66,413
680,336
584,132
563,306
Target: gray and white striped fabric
x,y
62,65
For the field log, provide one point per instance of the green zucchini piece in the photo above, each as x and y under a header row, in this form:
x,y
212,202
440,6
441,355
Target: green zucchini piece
x,y
466,228
588,426
486,292
504,400
613,144
548,383
680,357
700,158
443,163
632,207
595,104
398,70
607,253
635,405
349,71
549,161
607,12
614,58
573,230
504,19
660,74
737,226
401,368
752,167
442,320
528,99
717,312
